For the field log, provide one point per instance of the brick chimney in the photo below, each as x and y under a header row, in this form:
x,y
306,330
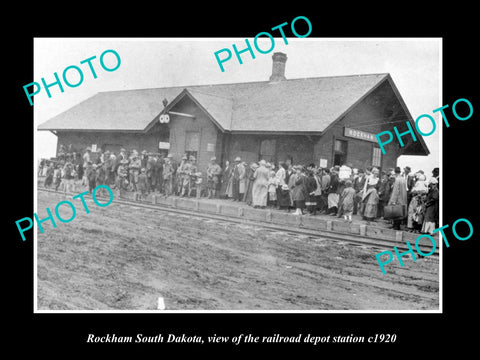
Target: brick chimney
x,y
278,67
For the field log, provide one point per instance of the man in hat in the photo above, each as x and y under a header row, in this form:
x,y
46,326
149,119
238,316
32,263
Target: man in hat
x,y
134,170
213,177
358,185
110,169
149,167
238,180
168,176
122,175
181,174
68,176
142,184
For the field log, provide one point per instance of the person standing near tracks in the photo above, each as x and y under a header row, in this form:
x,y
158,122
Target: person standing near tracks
x,y
299,193
431,207
150,171
227,179
358,185
159,161
325,185
347,196
238,185
86,160
259,187
134,170
68,176
370,197
180,175
142,184
192,175
311,187
168,174
49,175
399,195
333,196
213,177
248,198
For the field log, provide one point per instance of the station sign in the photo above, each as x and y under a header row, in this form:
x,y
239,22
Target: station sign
x,y
358,134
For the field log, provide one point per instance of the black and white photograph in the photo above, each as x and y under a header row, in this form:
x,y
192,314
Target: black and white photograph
x,y
213,175
220,179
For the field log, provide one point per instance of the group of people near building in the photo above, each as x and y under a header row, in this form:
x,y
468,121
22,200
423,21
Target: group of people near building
x,y
340,191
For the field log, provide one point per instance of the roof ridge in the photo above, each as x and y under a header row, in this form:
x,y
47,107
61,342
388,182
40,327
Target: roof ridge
x,y
209,94
244,83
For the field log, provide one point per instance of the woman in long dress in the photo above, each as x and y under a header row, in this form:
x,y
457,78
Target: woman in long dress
x,y
226,188
259,188
283,193
250,170
370,197
299,192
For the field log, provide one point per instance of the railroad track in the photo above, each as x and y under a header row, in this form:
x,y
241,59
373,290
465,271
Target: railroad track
x,y
357,240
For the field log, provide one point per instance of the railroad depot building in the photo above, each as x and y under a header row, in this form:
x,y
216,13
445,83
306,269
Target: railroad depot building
x,y
325,120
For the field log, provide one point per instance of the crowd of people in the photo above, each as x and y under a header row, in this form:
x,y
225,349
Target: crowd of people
x,y
340,191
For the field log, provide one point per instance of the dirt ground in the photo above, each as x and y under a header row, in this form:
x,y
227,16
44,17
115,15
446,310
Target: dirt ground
x,y
123,258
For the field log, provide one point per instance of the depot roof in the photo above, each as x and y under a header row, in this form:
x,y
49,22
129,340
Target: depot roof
x,y
293,105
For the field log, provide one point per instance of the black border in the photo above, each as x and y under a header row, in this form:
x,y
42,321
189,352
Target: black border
x,y
422,332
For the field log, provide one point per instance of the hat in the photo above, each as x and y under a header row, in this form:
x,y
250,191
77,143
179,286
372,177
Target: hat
x,y
397,170
407,168
169,155
122,150
238,158
88,149
184,157
213,158
144,152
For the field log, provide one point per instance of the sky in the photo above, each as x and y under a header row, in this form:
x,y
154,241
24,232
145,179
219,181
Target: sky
x,y
414,65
